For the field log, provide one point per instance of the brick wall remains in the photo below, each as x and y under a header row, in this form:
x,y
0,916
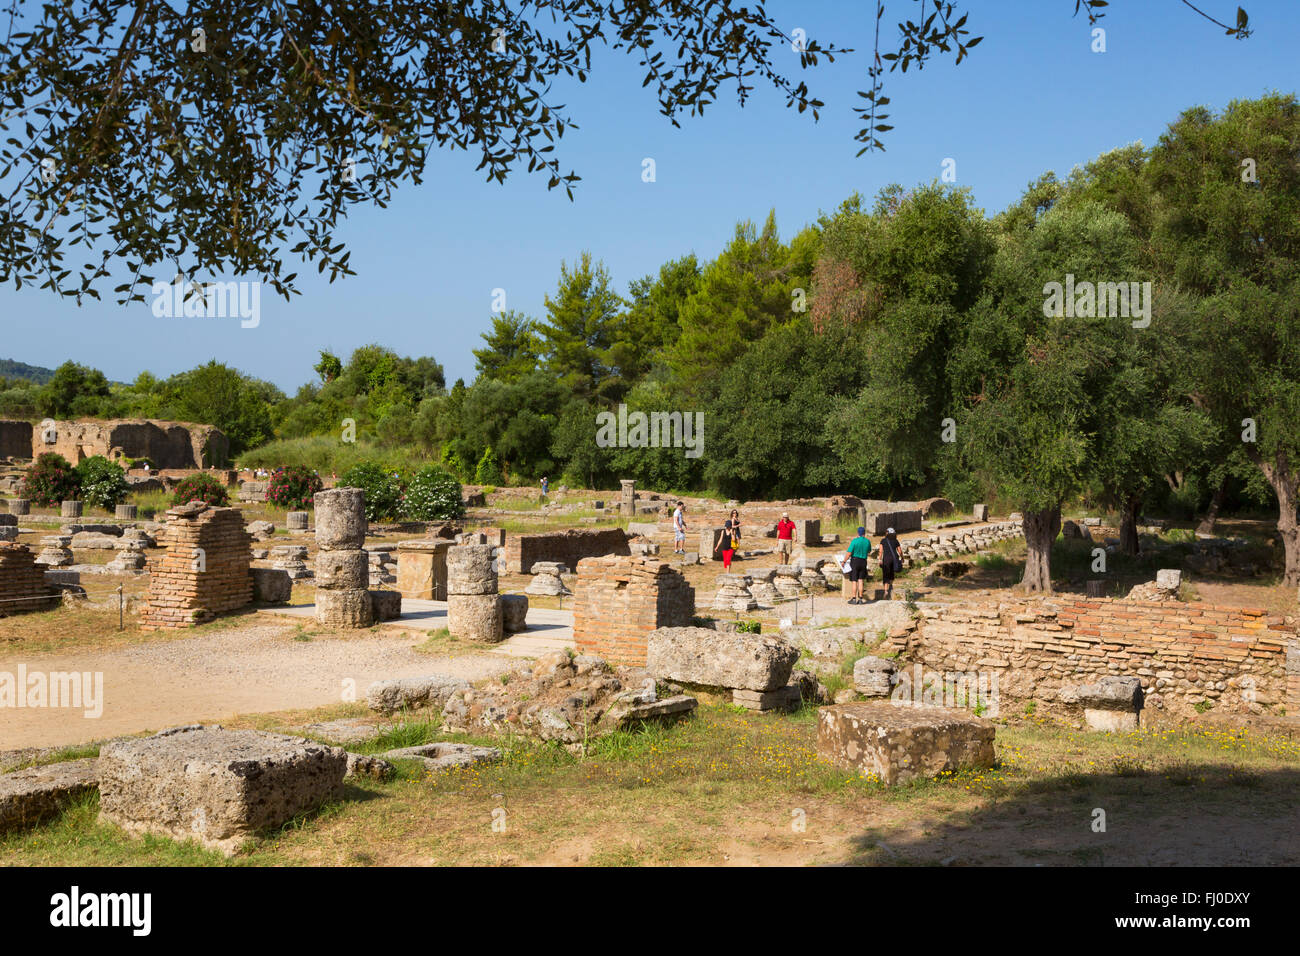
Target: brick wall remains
x,y
618,601
205,570
563,547
22,580
1235,658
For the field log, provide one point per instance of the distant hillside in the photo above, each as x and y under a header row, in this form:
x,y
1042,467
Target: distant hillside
x,y
33,373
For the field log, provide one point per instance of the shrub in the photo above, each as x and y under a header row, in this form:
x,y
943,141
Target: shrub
x,y
103,482
488,471
433,494
201,487
51,479
293,487
383,489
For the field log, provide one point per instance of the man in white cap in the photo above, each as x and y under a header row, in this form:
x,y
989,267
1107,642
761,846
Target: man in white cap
x,y
891,561
785,536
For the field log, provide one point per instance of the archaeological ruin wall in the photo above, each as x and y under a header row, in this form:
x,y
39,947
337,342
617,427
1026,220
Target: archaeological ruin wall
x,y
563,547
205,571
1238,660
619,600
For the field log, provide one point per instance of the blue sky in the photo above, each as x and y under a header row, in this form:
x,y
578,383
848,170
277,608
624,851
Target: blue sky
x,y
1032,97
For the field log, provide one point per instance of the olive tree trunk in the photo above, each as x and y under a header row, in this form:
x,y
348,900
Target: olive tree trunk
x,y
1041,529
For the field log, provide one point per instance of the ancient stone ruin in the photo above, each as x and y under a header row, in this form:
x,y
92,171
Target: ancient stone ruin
x,y
422,569
618,601
563,547
342,565
896,743
205,571
22,580
473,605
168,445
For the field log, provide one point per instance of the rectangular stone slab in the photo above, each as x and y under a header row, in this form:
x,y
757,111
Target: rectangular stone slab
x,y
219,787
897,743
27,797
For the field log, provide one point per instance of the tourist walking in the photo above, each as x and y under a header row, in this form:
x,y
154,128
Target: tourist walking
x,y
726,544
858,551
891,561
785,537
546,484
679,529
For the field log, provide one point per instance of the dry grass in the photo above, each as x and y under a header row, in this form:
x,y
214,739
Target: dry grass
x,y
736,787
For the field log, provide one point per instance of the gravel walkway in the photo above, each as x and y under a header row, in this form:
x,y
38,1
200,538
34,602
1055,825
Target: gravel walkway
x,y
210,677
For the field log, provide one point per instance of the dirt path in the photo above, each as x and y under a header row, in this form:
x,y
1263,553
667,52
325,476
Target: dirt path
x,y
215,676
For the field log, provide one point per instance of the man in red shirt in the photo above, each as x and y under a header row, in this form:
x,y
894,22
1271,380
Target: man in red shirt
x,y
785,537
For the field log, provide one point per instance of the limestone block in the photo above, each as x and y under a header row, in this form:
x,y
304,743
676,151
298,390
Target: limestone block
x,y
700,655
349,607
296,520
475,617
873,676
412,693
897,743
514,612
342,570
220,787
28,797
386,605
340,519
470,570
271,585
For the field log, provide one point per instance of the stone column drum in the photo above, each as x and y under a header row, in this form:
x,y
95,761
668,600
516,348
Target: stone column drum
x,y
342,565
473,605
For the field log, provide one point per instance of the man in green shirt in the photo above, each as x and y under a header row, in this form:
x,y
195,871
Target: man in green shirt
x,y
858,551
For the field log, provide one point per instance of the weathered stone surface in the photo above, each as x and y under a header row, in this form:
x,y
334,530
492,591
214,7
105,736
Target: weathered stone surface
x,y
1112,703
220,787
386,605
981,512
700,655
514,613
28,797
783,698
445,756
413,693
897,743
470,569
340,519
625,713
422,569
344,608
70,509
364,765
125,512
346,730
296,520
546,584
873,676
271,586
20,506
475,617
261,530
1169,579
342,569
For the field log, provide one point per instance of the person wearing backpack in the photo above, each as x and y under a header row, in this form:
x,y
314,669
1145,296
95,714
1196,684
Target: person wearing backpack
x,y
726,544
891,561
858,551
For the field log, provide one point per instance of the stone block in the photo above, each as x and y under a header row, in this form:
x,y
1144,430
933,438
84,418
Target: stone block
x,y
446,756
340,519
422,569
514,612
981,512
29,797
783,698
271,586
296,520
220,787
470,570
897,743
475,617
701,655
344,608
20,506
125,512
386,605
342,570
873,676
1112,703
70,509
808,531
1169,579
413,693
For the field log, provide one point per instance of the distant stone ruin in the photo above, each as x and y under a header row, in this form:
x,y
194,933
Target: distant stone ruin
x,y
563,547
205,571
165,444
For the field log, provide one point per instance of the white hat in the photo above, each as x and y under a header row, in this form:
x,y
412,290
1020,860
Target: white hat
x,y
889,531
